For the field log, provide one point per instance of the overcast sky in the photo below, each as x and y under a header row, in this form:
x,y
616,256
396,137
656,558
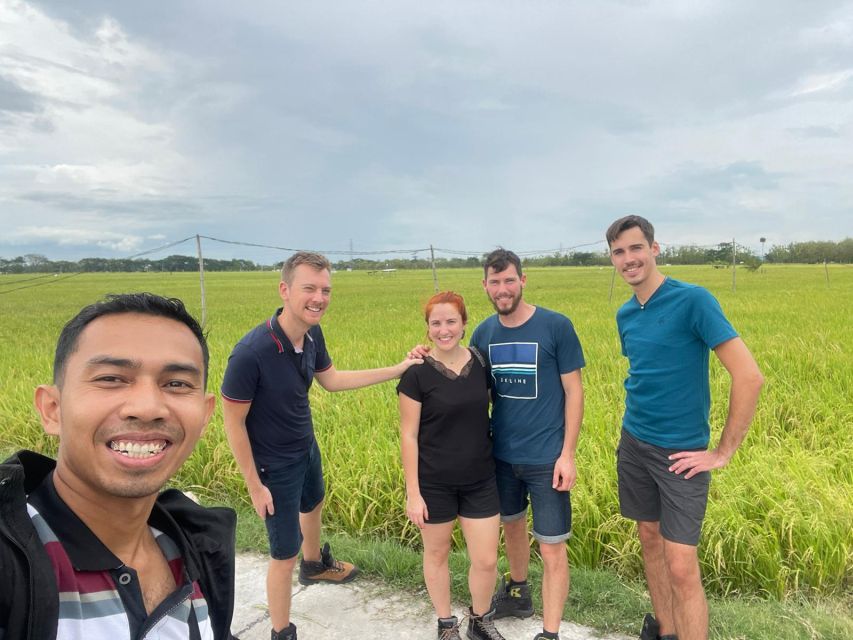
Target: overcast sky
x,y
126,125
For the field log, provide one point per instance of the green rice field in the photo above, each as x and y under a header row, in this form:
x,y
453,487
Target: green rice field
x,y
780,516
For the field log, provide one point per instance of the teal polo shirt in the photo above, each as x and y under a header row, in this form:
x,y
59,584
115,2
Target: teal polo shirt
x,y
667,342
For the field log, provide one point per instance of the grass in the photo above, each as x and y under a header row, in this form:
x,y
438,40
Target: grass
x,y
780,515
598,598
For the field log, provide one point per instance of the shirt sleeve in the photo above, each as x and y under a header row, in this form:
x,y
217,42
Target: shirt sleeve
x,y
621,336
242,375
409,384
708,321
569,351
323,360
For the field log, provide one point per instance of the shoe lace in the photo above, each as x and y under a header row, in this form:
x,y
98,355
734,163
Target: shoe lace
x,y
491,631
487,626
333,565
328,560
450,633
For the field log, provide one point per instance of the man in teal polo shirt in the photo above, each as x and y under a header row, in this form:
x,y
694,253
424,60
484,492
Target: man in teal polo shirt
x,y
667,330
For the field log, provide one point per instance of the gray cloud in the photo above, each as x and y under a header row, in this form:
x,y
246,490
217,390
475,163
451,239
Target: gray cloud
x,y
463,125
13,98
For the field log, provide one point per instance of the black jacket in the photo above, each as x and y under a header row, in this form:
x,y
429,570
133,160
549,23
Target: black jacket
x,y
29,600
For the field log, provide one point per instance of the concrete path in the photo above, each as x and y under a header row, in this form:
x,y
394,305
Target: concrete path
x,y
361,610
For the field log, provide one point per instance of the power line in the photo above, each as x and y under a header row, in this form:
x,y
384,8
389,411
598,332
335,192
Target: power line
x,y
330,252
54,280
156,249
535,252
14,282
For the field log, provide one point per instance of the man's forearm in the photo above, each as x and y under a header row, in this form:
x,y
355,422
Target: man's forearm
x,y
573,389
345,380
574,419
238,440
743,399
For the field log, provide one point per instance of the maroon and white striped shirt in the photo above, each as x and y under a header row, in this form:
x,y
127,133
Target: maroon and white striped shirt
x,y
100,598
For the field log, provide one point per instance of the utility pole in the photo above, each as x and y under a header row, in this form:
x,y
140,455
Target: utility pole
x,y
201,280
734,266
434,275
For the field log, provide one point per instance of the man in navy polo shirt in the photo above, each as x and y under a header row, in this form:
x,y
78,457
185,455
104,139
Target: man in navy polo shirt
x,y
268,424
667,330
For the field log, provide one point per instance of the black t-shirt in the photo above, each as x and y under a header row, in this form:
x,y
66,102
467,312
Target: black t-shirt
x,y
454,445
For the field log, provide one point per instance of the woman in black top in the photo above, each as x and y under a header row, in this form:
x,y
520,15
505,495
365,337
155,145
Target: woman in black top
x,y
447,460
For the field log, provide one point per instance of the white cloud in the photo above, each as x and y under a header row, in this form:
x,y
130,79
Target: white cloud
x,y
76,236
84,86
310,124
822,82
837,30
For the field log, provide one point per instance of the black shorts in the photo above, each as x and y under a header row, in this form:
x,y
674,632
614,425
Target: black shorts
x,y
446,501
650,492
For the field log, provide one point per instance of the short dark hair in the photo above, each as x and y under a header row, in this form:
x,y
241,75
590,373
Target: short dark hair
x,y
116,303
499,260
629,222
316,261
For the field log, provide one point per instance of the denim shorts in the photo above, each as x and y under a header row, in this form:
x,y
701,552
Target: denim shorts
x,y
296,486
650,492
552,509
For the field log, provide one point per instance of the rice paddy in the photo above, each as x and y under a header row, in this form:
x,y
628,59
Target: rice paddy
x,y
780,516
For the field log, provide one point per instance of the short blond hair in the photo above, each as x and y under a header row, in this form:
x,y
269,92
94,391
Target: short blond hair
x,y
314,260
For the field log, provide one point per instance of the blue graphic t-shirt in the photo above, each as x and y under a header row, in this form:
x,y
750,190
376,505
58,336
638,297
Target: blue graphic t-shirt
x,y
528,412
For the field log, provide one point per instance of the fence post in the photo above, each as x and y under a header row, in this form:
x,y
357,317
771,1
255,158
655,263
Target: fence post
x,y
734,266
826,272
612,280
201,281
432,262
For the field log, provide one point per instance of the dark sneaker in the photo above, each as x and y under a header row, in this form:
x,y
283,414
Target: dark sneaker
x,y
288,633
541,636
327,570
512,599
650,629
448,628
482,627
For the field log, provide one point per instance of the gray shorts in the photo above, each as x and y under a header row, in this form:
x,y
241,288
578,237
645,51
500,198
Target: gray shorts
x,y
650,492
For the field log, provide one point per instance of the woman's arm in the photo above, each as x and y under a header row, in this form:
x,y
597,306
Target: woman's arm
x,y
410,418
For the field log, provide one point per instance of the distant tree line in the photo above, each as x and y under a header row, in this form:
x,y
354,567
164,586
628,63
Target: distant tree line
x,y
811,252
721,254
37,263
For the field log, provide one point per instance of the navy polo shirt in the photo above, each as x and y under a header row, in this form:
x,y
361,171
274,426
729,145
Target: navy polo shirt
x,y
265,370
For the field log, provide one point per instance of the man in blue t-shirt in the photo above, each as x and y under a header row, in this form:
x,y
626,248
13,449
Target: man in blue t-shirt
x,y
537,397
269,427
667,330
